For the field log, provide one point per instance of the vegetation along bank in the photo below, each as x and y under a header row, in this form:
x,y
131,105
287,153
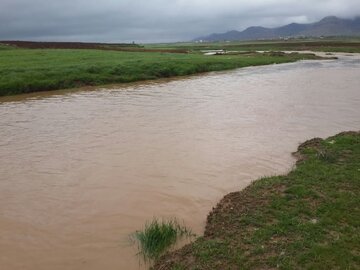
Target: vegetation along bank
x,y
307,219
31,70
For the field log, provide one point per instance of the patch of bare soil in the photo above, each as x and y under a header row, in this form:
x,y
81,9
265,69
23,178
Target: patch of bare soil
x,y
220,225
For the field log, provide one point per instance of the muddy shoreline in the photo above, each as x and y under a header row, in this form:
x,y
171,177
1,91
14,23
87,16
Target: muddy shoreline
x,y
223,221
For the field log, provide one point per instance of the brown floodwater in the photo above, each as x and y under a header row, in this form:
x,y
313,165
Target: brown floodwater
x,y
81,170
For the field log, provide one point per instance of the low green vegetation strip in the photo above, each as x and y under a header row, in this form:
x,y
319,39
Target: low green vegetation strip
x,y
308,219
331,45
31,70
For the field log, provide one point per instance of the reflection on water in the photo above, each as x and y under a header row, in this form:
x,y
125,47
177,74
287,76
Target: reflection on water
x,y
81,170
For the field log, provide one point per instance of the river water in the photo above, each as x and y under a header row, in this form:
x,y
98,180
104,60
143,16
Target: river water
x,y
81,170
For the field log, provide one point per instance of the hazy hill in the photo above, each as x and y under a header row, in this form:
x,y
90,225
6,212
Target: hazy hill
x,y
329,26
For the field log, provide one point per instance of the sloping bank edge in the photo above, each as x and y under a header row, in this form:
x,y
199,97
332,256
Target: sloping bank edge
x,y
228,219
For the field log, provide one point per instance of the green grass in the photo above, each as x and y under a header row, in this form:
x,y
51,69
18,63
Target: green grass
x,y
26,70
157,237
6,47
326,45
308,219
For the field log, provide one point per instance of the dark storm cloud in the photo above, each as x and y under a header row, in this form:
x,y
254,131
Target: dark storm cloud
x,y
154,20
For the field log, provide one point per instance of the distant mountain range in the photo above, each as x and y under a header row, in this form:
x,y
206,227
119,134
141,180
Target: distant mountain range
x,y
329,26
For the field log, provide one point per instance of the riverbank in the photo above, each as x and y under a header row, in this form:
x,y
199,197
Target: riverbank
x,y
348,45
33,70
307,219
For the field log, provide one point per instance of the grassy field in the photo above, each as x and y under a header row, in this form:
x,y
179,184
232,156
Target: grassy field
x,y
31,70
308,219
5,47
330,45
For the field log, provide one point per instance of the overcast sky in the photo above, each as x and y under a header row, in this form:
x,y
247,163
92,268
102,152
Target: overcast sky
x,y
155,20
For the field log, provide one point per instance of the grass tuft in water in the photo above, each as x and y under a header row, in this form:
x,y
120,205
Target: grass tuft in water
x,y
158,236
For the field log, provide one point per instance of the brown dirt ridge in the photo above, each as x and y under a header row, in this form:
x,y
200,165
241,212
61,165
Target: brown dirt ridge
x,y
128,47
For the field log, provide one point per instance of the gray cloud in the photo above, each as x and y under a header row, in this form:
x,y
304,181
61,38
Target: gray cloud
x,y
154,20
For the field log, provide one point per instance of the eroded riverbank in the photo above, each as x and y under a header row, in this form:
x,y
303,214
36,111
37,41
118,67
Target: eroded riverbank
x,y
81,171
287,222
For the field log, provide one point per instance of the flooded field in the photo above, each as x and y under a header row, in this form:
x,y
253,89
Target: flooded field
x,y
80,171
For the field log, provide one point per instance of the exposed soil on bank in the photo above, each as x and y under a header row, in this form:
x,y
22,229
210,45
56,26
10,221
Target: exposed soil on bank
x,y
297,221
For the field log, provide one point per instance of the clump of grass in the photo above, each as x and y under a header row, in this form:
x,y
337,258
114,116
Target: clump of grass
x,y
158,236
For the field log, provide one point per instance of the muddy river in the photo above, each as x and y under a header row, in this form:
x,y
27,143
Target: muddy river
x,y
81,170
